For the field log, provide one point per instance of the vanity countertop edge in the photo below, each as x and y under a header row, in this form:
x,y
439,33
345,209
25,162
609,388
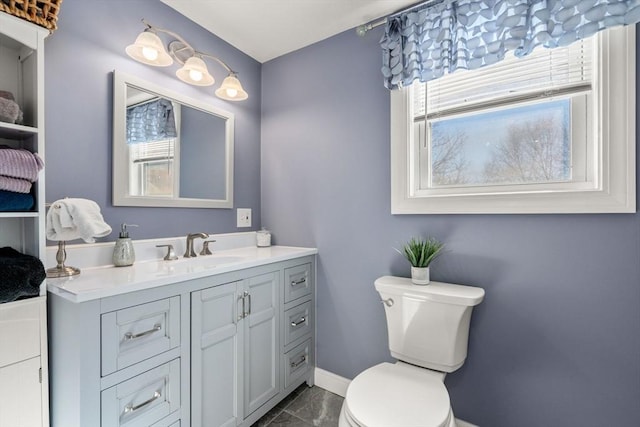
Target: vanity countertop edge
x,y
106,281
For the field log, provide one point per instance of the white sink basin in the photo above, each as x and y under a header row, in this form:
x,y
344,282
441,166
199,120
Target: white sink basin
x,y
212,259
188,265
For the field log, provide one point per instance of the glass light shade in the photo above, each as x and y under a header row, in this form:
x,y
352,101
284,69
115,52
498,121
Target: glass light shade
x,y
231,89
149,50
194,71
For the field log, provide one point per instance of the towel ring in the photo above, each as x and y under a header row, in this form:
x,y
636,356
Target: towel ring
x,y
62,270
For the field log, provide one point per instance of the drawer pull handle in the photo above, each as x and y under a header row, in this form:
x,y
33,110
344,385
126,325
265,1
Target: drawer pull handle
x,y
129,336
298,282
130,408
299,322
299,362
244,312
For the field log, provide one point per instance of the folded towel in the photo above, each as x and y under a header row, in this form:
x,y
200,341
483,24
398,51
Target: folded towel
x,y
9,96
9,111
10,201
19,163
16,185
21,275
70,219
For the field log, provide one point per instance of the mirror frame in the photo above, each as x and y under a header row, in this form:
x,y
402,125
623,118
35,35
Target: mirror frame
x,y
119,151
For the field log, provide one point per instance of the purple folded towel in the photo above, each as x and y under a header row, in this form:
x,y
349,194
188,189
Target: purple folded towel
x,y
19,163
14,184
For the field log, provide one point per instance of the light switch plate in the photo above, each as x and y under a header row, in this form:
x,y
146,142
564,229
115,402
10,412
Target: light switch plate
x,y
244,217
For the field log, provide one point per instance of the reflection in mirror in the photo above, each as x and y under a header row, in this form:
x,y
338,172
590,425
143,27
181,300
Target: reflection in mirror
x,y
169,150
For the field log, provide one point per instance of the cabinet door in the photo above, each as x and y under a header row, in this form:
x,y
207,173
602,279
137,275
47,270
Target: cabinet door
x,y
20,394
23,397
261,340
216,357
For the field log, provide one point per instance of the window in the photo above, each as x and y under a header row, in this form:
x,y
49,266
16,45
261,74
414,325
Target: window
x,y
153,143
552,132
153,168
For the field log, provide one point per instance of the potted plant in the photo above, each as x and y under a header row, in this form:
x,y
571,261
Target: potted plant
x,y
420,253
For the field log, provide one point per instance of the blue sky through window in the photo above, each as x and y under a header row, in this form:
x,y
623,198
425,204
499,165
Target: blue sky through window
x,y
537,135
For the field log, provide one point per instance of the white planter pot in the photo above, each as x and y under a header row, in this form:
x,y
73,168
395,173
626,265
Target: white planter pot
x,y
420,276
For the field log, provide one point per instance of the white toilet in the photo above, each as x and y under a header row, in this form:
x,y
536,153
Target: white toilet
x,y
428,334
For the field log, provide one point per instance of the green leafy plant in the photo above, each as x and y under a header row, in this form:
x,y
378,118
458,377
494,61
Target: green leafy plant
x,y
420,252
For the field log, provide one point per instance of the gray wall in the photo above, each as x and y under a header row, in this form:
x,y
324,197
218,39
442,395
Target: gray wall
x,y
80,57
202,155
556,341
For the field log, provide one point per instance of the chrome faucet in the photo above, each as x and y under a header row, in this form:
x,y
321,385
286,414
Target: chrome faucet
x,y
190,253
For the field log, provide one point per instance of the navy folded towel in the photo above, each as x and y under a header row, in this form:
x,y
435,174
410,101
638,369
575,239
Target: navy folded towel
x,y
11,202
20,275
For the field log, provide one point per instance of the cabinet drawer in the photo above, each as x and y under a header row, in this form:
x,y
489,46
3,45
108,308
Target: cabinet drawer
x,y
297,282
297,322
20,330
165,423
143,399
297,363
137,333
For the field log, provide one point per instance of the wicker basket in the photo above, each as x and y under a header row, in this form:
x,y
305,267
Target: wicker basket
x,y
41,12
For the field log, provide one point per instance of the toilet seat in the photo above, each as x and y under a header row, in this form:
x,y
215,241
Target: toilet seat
x,y
392,395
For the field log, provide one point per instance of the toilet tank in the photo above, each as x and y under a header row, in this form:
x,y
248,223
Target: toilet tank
x,y
428,325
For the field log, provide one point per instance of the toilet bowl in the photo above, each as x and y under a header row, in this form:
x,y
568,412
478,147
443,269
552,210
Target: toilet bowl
x,y
428,328
397,395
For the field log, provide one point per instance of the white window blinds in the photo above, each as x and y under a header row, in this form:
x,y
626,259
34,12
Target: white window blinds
x,y
153,151
543,73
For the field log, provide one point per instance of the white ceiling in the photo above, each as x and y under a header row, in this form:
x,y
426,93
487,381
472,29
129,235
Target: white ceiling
x,y
266,29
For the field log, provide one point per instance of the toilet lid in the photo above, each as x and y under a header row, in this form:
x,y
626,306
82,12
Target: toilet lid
x,y
398,395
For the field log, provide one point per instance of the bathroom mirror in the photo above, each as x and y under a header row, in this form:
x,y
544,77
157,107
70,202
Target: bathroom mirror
x,y
169,150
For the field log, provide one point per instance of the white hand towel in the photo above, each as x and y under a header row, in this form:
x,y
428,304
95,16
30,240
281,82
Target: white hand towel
x,y
70,219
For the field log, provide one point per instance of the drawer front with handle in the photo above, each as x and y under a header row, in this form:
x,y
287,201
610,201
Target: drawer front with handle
x,y
143,399
297,322
297,363
137,333
297,282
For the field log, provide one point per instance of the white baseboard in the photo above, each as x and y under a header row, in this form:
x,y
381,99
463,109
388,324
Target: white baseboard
x,y
331,382
338,385
461,423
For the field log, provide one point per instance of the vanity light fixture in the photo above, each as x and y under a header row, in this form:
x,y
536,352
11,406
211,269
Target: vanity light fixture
x,y
149,49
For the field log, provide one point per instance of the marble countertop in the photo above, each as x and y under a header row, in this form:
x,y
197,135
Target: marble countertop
x,y
100,282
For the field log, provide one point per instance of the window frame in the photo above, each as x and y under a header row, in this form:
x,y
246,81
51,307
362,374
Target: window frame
x,y
137,182
614,185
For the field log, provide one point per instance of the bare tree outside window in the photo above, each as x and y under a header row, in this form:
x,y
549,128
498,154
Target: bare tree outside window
x,y
518,145
448,160
534,151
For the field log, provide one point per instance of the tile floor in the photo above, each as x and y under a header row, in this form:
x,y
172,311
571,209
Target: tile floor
x,y
304,407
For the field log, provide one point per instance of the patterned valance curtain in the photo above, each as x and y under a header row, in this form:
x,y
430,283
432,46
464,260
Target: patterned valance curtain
x,y
441,36
150,121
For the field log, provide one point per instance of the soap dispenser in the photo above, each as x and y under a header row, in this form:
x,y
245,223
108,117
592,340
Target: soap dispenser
x,y
123,253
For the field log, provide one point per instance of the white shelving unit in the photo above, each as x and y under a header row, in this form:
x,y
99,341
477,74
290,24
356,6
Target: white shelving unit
x,y
24,398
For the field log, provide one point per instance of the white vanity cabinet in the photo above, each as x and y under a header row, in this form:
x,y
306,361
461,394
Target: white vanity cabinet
x,y
206,352
23,324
